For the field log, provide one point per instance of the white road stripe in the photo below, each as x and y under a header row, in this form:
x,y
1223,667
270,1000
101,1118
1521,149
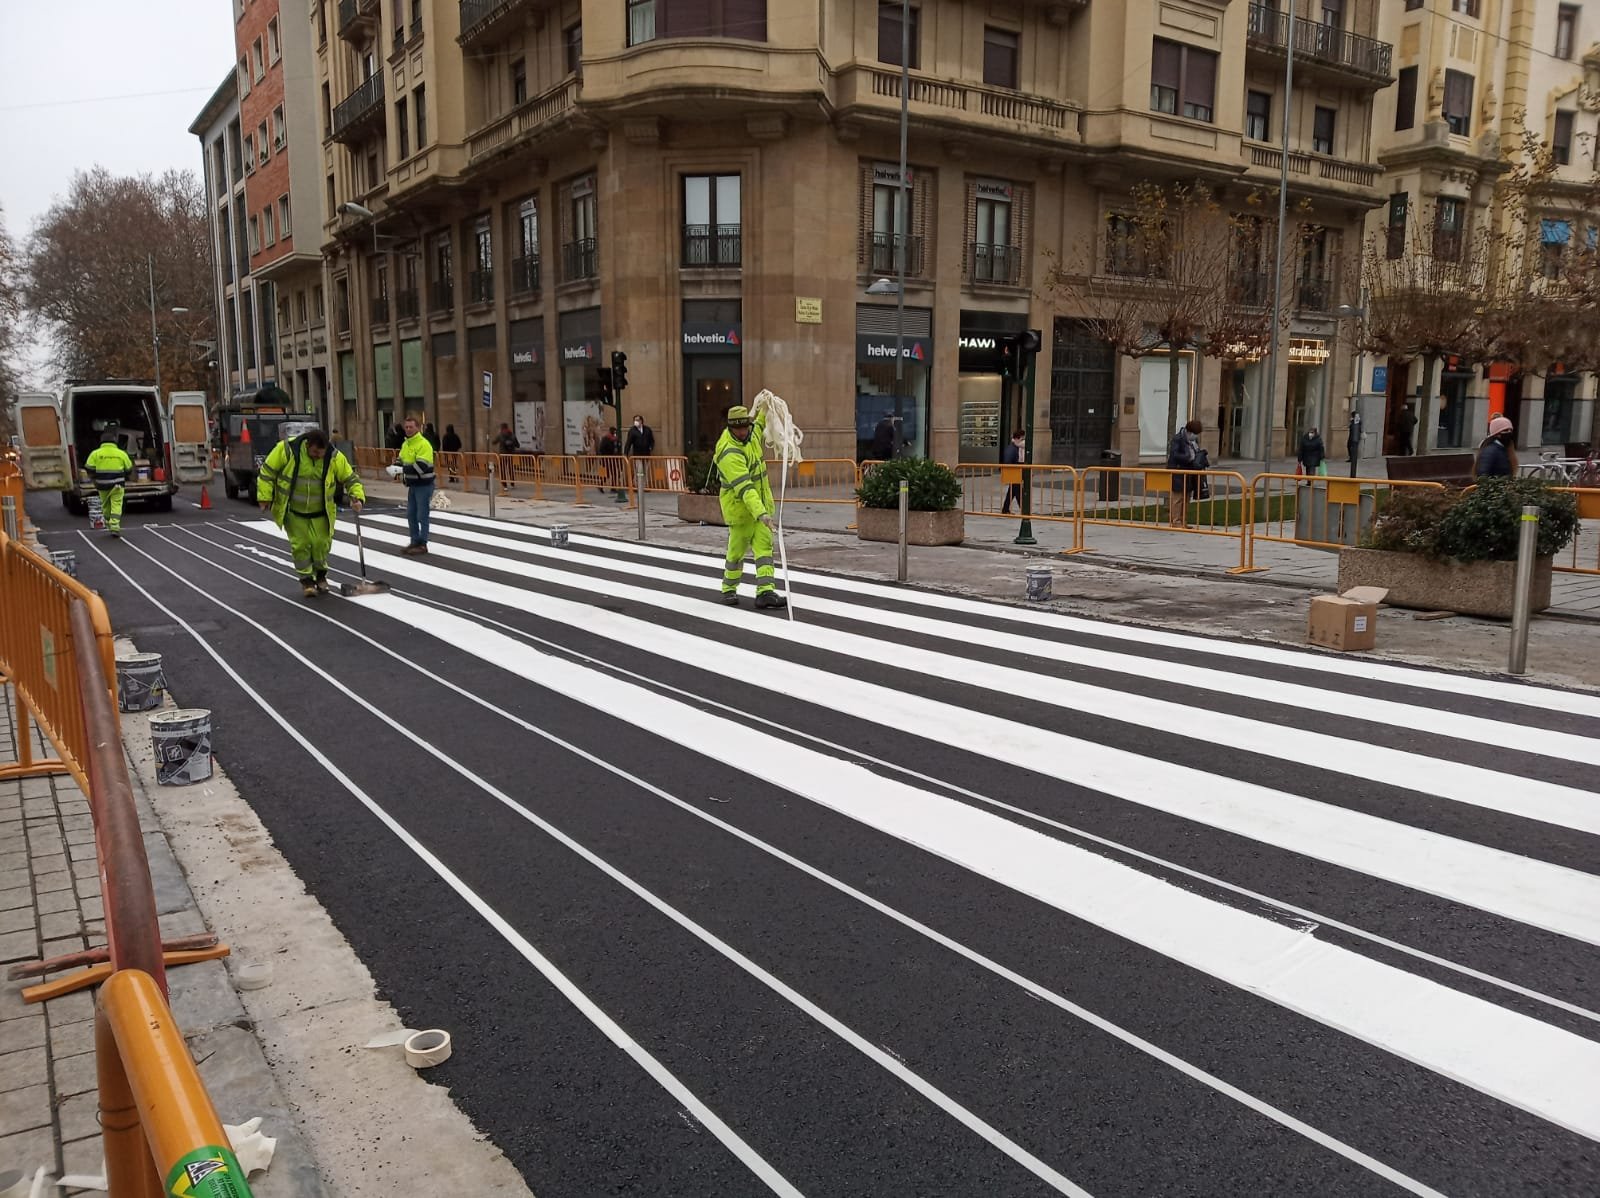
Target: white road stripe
x,y
1521,694
910,1078
1561,745
1539,893
608,1027
1528,798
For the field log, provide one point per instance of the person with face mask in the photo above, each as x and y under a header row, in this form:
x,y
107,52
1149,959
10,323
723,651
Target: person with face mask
x,y
299,484
1497,456
641,441
747,506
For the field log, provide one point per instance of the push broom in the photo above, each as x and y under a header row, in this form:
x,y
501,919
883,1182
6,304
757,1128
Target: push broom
x,y
367,586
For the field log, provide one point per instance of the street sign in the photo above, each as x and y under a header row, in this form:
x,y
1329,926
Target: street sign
x,y
1380,380
488,388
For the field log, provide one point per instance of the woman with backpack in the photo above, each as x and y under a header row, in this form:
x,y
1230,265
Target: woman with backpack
x,y
1185,454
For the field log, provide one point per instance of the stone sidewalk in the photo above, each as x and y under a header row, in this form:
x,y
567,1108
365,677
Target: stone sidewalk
x,y
50,905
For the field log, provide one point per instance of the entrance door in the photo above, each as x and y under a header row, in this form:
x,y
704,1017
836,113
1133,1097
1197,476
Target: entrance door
x,y
1082,396
711,385
1297,415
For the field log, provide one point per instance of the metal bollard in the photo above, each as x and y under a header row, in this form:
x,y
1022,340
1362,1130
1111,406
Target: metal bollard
x,y
904,500
638,489
1522,599
8,512
492,488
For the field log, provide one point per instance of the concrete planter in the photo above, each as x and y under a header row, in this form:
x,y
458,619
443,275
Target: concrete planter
x,y
700,509
922,528
1471,588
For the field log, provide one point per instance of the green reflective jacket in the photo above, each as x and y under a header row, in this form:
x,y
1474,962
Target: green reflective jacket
x,y
289,467
746,493
108,465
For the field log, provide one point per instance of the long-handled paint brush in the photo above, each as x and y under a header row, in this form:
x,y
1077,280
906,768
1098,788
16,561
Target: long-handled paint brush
x,y
367,586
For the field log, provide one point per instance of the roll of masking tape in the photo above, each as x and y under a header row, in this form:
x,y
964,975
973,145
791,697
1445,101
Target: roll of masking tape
x,y
424,1049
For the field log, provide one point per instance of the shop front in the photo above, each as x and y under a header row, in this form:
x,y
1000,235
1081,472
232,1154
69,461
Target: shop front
x,y
525,338
382,384
1456,428
883,400
1242,390
446,382
712,339
584,418
481,363
1305,399
987,407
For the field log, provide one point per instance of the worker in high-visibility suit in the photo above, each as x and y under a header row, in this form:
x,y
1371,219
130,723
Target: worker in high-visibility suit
x,y
299,484
109,468
747,506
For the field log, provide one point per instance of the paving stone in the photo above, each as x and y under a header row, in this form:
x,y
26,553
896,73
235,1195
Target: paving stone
x,y
85,1157
28,1032
69,1039
80,836
91,909
36,787
19,946
79,1116
49,864
60,879
61,947
56,900
26,1067
83,869
16,920
16,896
70,1008
13,864
81,852
88,887
27,1150
10,832
25,1108
73,823
11,1004
74,1074
56,924
95,929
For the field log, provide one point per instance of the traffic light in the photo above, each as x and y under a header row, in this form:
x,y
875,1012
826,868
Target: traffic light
x,y
606,384
619,371
1010,357
1030,342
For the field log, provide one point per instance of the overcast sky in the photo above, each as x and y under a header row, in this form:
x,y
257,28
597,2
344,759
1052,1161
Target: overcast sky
x,y
113,82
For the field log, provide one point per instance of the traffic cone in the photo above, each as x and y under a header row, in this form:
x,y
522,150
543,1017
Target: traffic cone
x,y
205,498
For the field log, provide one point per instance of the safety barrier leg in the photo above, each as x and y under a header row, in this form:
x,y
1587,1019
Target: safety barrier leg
x,y
129,1167
1247,534
25,766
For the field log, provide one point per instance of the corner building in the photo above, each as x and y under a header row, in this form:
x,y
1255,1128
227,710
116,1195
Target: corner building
x,y
710,187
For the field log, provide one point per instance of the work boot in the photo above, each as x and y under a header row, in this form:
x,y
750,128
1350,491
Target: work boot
x,y
308,589
622,497
117,532
730,598
322,584
771,599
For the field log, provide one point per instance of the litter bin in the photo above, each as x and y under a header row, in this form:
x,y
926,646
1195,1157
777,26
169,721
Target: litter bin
x,y
1110,482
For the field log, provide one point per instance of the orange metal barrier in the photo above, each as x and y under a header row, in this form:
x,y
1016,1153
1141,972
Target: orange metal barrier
x,y
1588,509
988,489
825,480
1213,503
158,1124
1322,511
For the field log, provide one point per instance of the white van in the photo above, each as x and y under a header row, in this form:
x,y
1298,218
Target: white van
x,y
169,445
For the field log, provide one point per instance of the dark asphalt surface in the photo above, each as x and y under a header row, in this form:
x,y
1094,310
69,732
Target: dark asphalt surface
x,y
865,1015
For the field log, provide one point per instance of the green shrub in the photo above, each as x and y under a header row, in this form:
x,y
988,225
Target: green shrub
x,y
931,486
700,475
1482,524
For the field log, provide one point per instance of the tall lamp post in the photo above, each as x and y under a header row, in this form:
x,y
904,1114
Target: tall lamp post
x,y
899,238
1271,389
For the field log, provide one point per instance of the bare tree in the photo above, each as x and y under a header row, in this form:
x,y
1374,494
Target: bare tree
x,y
86,278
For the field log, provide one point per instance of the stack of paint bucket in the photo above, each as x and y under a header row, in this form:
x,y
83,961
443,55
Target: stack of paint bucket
x,y
141,686
97,515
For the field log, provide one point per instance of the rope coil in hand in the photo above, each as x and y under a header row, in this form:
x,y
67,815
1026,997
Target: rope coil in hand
x,y
784,438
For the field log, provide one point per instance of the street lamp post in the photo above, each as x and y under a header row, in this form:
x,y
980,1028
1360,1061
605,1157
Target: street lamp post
x,y
1271,388
155,336
898,238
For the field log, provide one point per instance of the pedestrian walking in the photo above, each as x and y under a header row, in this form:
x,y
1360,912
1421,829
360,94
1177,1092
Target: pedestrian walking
x,y
301,484
1184,454
416,471
610,448
506,444
395,438
1352,442
1312,454
1015,454
883,439
641,440
431,435
109,468
746,499
452,446
1408,431
1497,455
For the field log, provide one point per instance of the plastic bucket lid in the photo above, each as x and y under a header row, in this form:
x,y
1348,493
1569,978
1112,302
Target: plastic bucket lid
x,y
182,717
134,660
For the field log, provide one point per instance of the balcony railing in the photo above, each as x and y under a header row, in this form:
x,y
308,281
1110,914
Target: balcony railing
x,y
358,107
1250,288
341,321
888,250
525,275
527,119
347,14
580,260
480,287
380,309
482,17
711,245
442,296
356,15
407,305
1319,43
1315,295
996,263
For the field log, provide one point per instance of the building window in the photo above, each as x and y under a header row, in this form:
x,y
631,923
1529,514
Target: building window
x,y
641,21
1413,5
1405,99
996,255
261,144
441,283
1183,79
889,35
1466,7
341,305
300,308
579,251
249,155
1258,116
283,216
1333,14
1000,48
1322,130
572,39
322,23
419,107
318,304
1553,238
479,243
1458,101
267,235
519,82
1129,249
280,128
1448,217
1561,140
327,112
255,234
244,77
256,61
1566,29
274,50
416,17
406,301
1395,230
402,129
525,266
333,199
1316,276
711,233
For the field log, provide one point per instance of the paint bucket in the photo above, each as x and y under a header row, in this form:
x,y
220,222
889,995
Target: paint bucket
x,y
65,560
1039,579
558,536
144,474
97,513
141,685
182,742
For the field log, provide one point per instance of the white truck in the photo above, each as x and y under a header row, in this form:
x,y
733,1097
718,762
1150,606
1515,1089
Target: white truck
x,y
169,443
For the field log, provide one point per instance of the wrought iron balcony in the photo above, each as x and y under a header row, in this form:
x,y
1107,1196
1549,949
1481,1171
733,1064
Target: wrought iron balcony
x,y
380,309
357,17
1250,288
407,304
443,295
712,245
1315,295
480,287
996,263
525,275
889,249
580,260
484,20
1316,44
359,111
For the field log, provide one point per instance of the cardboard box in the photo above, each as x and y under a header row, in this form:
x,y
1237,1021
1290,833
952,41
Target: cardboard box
x,y
1347,622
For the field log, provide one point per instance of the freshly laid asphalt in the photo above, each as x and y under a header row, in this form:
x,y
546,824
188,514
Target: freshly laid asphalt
x,y
650,861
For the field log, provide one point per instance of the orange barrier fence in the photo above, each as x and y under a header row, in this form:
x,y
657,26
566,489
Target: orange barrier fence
x,y
1321,511
1588,509
996,490
1214,503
